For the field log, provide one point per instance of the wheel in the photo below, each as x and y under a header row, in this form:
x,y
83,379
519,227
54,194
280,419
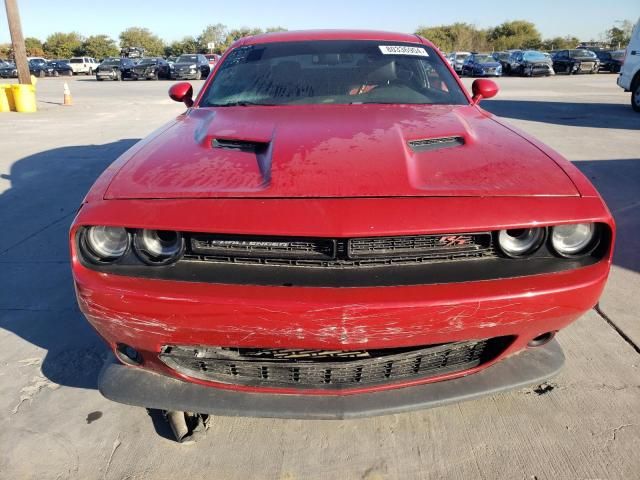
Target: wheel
x,y
68,73
99,79
635,97
118,76
154,76
90,72
199,75
41,74
56,73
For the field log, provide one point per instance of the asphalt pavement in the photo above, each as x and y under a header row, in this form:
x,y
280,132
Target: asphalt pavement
x,y
54,423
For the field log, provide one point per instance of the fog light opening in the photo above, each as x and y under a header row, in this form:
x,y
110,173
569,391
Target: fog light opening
x,y
542,339
127,354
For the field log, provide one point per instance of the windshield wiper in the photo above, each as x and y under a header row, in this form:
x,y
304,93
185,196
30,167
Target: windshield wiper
x,y
241,103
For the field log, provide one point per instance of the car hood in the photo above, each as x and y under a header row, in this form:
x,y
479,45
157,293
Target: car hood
x,y
184,64
337,151
489,64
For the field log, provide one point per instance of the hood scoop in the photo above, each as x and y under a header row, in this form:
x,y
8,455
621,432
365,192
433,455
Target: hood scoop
x,y
428,144
242,145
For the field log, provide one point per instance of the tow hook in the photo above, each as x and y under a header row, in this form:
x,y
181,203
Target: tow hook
x,y
187,427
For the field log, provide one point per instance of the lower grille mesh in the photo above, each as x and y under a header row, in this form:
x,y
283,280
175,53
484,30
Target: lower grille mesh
x,y
318,369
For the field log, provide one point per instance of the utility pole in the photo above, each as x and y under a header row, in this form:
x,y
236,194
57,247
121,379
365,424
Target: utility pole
x,y
17,41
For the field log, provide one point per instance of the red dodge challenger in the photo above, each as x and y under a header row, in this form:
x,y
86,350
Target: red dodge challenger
x,y
334,228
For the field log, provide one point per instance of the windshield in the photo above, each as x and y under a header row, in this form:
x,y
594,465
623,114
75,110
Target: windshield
x,y
332,72
111,62
187,58
148,61
618,55
534,56
582,54
461,56
484,59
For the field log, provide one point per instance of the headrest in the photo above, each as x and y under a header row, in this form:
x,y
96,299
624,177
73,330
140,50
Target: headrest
x,y
382,72
286,71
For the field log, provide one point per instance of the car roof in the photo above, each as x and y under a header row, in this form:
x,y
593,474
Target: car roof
x,y
303,35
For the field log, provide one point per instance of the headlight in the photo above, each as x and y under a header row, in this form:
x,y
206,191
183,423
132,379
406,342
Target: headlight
x,y
158,247
520,241
106,243
192,66
576,239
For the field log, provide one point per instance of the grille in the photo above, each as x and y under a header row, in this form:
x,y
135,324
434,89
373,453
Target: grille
x,y
325,252
333,369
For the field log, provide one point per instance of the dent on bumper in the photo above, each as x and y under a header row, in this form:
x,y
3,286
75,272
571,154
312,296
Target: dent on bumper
x,y
135,386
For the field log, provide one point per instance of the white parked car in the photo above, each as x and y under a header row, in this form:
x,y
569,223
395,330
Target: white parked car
x,y
456,59
629,78
86,65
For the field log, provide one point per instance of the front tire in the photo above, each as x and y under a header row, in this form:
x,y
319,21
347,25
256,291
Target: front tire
x,y
199,75
635,97
118,76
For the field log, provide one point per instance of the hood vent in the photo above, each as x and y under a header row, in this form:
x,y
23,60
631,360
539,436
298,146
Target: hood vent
x,y
243,145
429,144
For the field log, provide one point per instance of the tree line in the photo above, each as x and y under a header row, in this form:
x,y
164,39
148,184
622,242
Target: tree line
x,y
73,44
457,36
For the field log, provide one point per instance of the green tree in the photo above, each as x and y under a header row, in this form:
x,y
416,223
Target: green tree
x,y
238,33
213,33
186,45
456,37
620,36
63,45
5,50
560,43
34,47
515,34
100,46
142,37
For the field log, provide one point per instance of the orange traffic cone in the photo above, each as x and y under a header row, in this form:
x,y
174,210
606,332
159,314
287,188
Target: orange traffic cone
x,y
67,95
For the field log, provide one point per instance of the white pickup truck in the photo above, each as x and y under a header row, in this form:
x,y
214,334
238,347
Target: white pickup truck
x,y
629,78
86,65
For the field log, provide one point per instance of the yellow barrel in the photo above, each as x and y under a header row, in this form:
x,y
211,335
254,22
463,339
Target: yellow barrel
x,y
6,98
25,97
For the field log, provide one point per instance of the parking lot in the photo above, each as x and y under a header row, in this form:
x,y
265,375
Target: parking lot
x,y
54,423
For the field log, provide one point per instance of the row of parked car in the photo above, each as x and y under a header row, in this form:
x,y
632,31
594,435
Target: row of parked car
x,y
533,63
193,66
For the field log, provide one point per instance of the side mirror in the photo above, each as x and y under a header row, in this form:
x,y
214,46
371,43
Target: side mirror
x,y
483,88
182,92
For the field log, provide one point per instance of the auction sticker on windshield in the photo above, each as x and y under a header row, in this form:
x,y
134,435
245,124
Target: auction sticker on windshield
x,y
402,50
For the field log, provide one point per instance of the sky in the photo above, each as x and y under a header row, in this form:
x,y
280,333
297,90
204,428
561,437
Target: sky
x,y
586,19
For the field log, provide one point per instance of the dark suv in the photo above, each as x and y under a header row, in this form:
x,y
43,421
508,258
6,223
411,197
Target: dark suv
x,y
575,61
114,69
192,66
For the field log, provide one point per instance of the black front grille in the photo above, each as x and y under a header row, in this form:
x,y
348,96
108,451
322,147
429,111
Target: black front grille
x,y
328,369
326,252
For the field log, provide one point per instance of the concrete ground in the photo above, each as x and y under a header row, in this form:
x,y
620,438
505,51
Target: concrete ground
x,y
54,424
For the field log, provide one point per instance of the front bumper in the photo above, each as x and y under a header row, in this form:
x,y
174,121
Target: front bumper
x,y
134,386
183,75
111,75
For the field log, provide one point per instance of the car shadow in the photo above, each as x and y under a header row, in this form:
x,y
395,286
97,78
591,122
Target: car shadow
x,y
618,181
595,115
37,300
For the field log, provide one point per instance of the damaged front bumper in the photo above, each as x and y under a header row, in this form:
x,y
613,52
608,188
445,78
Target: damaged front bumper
x,y
134,386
